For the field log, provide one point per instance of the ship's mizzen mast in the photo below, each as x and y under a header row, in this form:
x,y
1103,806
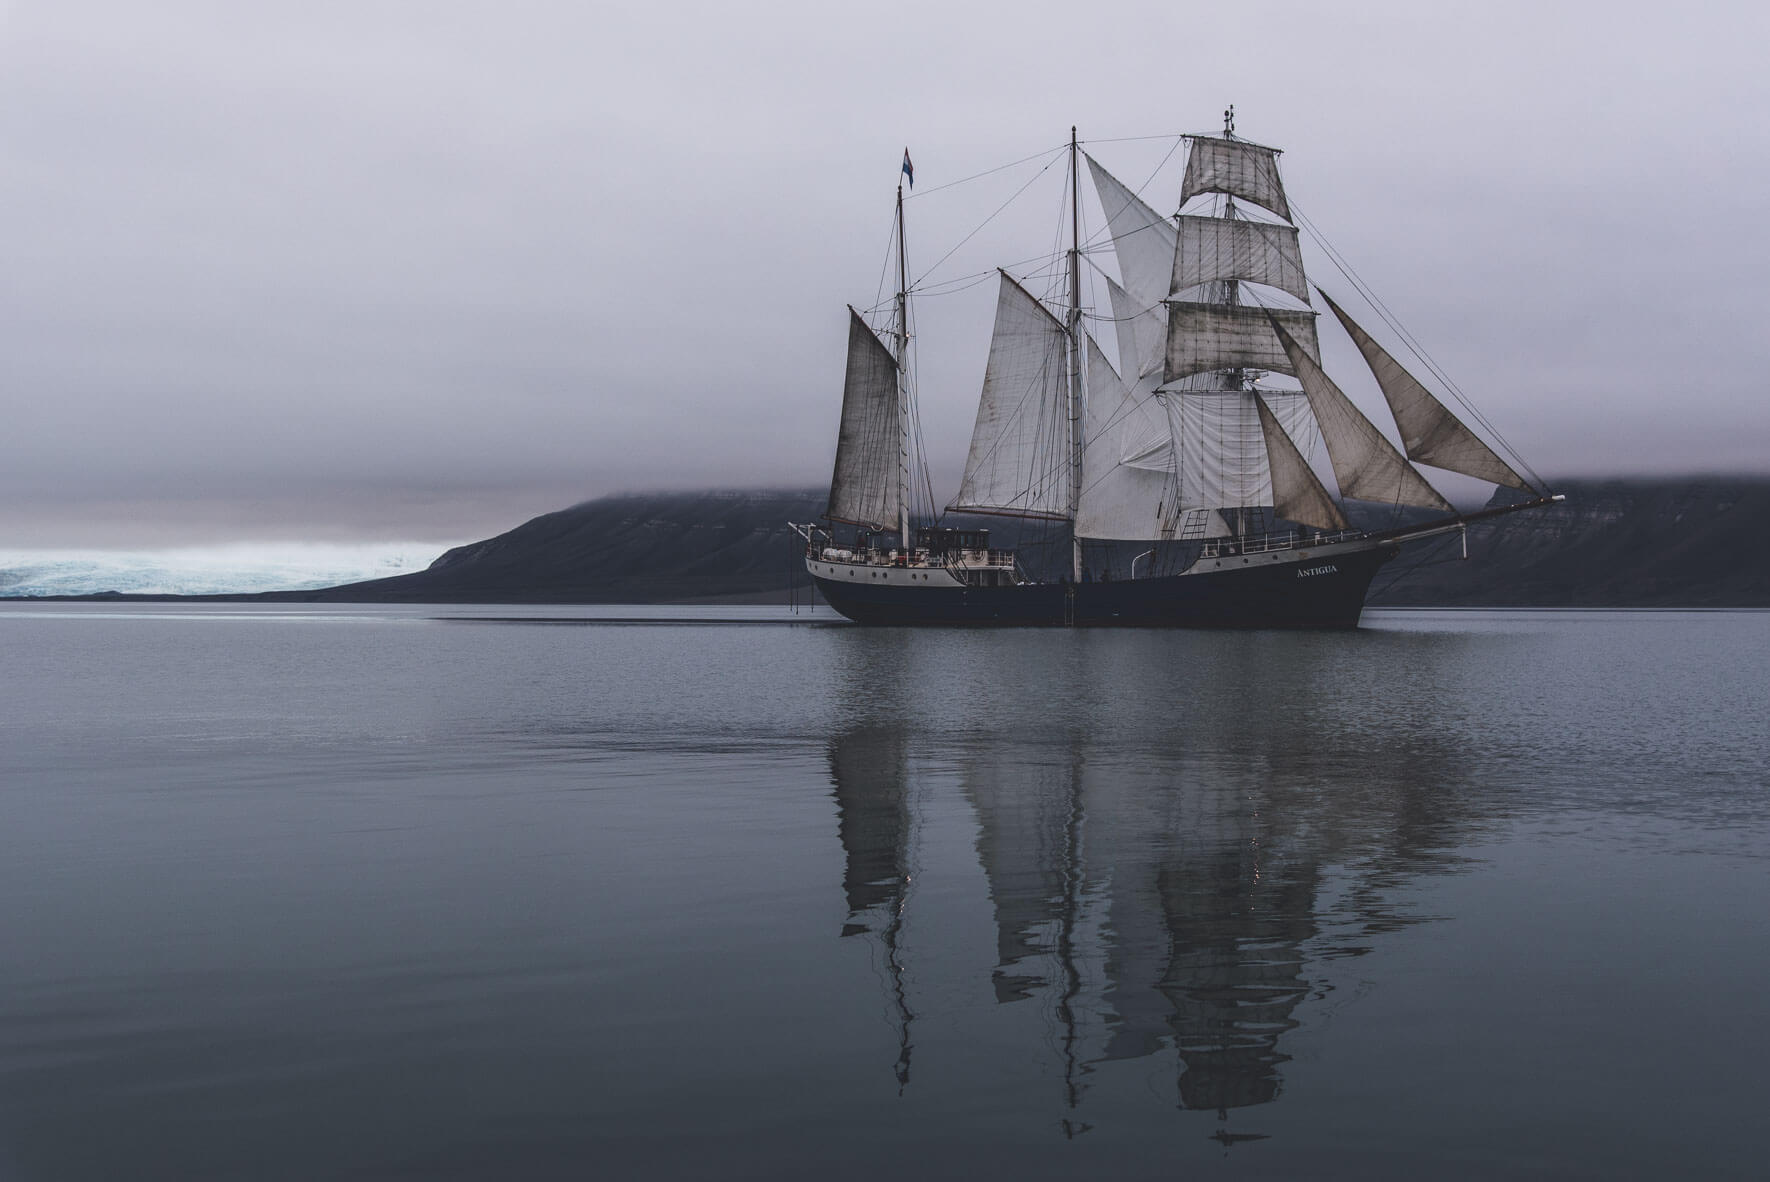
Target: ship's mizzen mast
x,y
870,485
903,389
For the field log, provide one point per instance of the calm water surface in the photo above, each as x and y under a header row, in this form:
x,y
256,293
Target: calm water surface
x,y
499,893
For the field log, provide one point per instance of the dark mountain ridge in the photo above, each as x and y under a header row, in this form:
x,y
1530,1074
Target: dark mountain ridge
x,y
1619,542
1672,542
629,548
1636,542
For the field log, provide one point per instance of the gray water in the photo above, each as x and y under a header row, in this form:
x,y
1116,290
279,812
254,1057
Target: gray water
x,y
495,893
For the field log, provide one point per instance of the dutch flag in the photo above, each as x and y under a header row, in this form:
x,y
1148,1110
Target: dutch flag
x,y
909,169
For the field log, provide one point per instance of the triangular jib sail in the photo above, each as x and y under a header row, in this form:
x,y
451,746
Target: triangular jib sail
x,y
1297,494
1366,465
865,489
1430,434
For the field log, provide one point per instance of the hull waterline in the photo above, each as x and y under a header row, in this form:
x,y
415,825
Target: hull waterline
x,y
1296,590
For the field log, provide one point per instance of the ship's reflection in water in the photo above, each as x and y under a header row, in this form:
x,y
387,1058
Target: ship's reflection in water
x,y
1177,899
872,807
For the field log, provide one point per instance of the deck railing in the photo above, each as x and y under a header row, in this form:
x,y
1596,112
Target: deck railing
x,y
956,558
1265,543
819,546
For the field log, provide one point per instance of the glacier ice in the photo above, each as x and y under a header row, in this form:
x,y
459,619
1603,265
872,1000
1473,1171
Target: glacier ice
x,y
235,569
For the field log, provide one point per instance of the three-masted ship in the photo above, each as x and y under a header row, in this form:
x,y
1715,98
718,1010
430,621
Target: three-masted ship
x,y
1192,444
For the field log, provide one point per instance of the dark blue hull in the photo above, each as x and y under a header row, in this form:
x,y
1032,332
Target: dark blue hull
x,y
1323,592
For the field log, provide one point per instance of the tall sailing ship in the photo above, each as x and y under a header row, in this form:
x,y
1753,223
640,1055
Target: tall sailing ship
x,y
1191,444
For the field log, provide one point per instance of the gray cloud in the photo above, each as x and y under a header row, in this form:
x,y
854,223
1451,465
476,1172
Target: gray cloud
x,y
355,270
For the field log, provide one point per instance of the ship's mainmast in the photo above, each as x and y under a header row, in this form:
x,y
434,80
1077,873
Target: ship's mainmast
x,y
1075,354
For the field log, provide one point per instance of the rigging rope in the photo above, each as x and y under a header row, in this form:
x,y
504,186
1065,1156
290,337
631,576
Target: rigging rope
x,y
1130,139
1406,572
884,268
988,172
986,221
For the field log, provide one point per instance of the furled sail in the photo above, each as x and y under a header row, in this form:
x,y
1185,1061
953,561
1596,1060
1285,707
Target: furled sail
x,y
1237,168
1220,451
1366,465
1019,463
1128,461
1142,239
1297,493
865,489
1429,432
1203,336
1213,249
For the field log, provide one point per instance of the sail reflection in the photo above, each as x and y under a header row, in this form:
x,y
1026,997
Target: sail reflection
x,y
1166,904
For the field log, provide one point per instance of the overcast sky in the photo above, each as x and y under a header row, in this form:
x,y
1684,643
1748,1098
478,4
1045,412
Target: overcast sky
x,y
377,270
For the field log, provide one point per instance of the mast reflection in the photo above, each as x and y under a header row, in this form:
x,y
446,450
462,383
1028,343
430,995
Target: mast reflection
x,y
1156,905
867,768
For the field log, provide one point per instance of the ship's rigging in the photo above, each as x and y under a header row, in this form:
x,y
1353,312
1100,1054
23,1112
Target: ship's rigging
x,y
1187,437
